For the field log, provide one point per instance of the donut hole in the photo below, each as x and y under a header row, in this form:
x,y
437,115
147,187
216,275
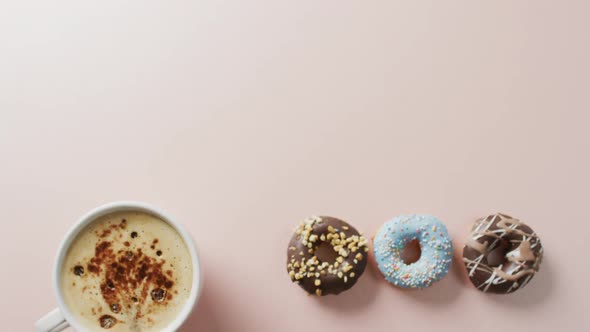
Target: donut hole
x,y
411,252
326,253
497,256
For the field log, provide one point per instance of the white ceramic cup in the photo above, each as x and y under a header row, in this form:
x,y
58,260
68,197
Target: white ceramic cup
x,y
62,317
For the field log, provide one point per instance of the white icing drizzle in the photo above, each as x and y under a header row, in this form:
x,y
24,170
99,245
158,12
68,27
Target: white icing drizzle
x,y
522,253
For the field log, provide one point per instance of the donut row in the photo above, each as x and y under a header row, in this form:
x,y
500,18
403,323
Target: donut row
x,y
327,255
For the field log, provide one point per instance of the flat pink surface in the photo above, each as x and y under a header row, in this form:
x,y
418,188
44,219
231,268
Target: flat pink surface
x,y
241,118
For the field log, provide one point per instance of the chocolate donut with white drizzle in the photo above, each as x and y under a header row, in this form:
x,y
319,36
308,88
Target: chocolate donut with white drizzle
x,y
502,254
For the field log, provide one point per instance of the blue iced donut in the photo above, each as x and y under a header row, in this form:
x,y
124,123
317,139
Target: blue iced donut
x,y
435,244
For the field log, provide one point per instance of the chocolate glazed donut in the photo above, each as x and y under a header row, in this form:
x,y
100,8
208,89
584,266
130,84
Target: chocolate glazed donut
x,y
502,254
326,277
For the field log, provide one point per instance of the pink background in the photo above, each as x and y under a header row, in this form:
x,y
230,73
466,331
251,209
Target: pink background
x,y
241,118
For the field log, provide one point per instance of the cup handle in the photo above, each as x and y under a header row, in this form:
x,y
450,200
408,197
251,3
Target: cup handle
x,y
52,322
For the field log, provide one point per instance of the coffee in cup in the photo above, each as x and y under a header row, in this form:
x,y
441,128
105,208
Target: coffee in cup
x,y
126,271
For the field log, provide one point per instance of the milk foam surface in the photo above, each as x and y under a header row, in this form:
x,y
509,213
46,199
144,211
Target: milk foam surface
x,y
127,271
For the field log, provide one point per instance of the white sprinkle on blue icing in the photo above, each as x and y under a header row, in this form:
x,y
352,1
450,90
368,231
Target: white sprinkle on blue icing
x,y
435,244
